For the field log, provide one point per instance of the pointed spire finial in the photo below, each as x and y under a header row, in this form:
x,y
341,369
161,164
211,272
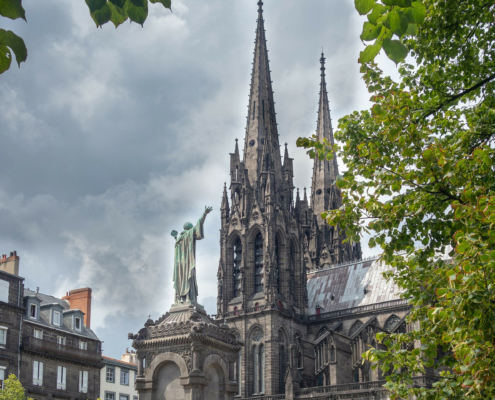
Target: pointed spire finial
x,y
260,6
322,61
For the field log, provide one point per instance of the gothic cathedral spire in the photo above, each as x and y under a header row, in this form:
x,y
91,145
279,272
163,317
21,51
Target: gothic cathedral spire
x,y
261,127
323,195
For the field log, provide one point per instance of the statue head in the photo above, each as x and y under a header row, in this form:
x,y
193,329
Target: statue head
x,y
188,226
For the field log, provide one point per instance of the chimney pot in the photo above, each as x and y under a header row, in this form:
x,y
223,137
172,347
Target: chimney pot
x,y
37,290
11,254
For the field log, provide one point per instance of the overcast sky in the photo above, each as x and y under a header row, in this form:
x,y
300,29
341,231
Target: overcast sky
x,y
111,138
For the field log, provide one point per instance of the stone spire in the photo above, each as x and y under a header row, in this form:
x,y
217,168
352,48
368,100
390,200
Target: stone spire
x,y
324,172
225,202
261,127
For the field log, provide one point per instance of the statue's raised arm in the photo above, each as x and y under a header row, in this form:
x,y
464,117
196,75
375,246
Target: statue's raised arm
x,y
185,284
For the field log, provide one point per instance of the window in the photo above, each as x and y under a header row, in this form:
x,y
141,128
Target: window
x,y
3,336
61,377
123,397
33,311
277,265
110,374
124,377
4,291
237,267
259,368
83,345
2,376
135,398
109,396
38,334
78,323
83,381
258,263
61,340
37,373
56,318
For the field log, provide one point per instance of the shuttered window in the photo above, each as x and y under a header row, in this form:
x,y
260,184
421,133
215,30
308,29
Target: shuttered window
x,y
4,291
37,373
83,381
61,377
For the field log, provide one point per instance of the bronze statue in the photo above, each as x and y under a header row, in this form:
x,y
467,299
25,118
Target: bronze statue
x,y
185,284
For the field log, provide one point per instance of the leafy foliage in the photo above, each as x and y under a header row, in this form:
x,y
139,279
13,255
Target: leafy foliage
x,y
388,19
12,389
9,41
102,11
420,179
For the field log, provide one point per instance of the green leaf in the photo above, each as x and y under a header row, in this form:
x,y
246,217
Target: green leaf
x,y
391,2
363,7
118,3
166,3
137,10
12,9
10,39
394,20
5,58
418,11
119,15
463,247
102,16
369,53
95,5
378,9
395,50
411,30
370,31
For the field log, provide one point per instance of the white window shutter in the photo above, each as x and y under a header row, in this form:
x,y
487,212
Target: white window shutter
x,y
85,376
40,378
35,372
64,377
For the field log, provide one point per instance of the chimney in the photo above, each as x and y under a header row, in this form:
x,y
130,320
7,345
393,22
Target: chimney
x,y
10,264
81,299
129,357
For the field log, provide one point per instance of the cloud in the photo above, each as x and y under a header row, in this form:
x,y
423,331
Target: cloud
x,y
111,138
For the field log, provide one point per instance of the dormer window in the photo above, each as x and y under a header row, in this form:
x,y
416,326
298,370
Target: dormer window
x,y
83,345
56,318
33,311
78,324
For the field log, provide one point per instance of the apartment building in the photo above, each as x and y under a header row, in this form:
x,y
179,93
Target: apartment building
x,y
46,341
117,377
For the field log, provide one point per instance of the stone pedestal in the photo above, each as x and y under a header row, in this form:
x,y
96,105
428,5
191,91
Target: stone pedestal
x,y
185,355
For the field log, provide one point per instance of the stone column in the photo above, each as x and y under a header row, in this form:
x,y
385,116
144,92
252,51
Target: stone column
x,y
140,367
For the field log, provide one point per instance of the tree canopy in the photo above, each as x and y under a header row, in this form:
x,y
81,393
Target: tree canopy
x,y
12,389
102,11
420,180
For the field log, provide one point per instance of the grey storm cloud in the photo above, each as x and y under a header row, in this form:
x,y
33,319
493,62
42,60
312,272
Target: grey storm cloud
x,y
111,138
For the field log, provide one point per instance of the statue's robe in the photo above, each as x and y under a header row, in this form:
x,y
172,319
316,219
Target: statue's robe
x,y
185,262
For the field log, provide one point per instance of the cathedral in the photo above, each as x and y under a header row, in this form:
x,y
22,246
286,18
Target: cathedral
x,y
297,304
304,303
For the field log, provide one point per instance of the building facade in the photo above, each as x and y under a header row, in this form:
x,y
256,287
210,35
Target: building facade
x,y
47,342
11,312
117,378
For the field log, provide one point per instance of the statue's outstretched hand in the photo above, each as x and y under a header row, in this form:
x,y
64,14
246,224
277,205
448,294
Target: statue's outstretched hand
x,y
174,234
208,210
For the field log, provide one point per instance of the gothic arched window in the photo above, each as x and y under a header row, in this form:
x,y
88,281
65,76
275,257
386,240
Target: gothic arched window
x,y
282,368
258,355
262,368
258,264
237,267
355,327
277,266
